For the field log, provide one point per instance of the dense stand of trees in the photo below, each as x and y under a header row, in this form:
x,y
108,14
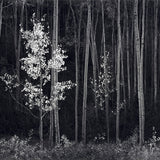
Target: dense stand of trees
x,y
124,33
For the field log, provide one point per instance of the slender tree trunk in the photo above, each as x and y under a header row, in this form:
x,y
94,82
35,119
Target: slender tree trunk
x,y
141,72
84,117
18,47
41,116
94,62
128,56
56,113
125,46
139,47
137,51
1,9
105,73
155,51
78,65
146,49
15,27
132,63
113,54
54,80
118,73
77,73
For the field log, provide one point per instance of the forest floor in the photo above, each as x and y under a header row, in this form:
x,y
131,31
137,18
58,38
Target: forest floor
x,y
18,149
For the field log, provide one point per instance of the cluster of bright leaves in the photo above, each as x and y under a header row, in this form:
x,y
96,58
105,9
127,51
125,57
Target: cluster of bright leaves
x,y
10,81
37,67
102,89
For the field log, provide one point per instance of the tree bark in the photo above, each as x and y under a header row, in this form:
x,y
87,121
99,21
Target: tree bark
x,y
1,9
84,117
139,47
77,70
41,116
94,60
141,72
18,47
105,73
54,80
155,52
118,72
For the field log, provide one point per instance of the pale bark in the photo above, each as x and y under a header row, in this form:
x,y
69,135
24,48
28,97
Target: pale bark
x,y
139,47
146,48
94,60
141,72
84,112
118,73
128,58
155,51
41,116
18,46
54,80
105,73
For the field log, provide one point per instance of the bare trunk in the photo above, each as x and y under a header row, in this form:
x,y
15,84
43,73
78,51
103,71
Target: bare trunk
x,y
139,47
118,73
1,9
41,116
94,63
141,72
18,49
146,48
128,61
105,73
54,80
84,117
77,72
155,52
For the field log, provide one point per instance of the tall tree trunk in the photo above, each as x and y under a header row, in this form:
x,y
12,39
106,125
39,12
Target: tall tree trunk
x,y
18,47
54,80
41,91
118,72
77,71
15,27
125,46
128,56
56,113
41,116
141,71
105,73
139,47
146,49
1,9
84,117
94,60
155,52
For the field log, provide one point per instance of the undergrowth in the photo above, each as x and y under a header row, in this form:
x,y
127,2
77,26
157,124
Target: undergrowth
x,y
18,149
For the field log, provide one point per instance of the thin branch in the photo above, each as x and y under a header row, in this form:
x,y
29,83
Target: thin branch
x,y
8,5
23,105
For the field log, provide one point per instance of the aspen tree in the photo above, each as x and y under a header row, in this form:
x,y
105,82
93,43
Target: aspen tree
x,y
84,111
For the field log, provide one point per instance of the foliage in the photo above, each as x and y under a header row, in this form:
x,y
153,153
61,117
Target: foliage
x,y
104,79
18,149
38,67
10,81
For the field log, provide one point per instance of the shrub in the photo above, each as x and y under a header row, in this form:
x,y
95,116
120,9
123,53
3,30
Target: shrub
x,y
18,149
